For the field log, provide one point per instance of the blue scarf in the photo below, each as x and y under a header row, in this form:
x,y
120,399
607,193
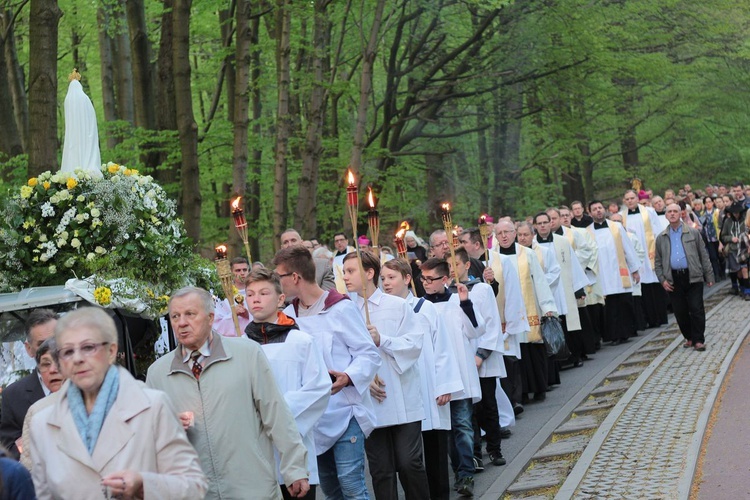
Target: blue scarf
x,y
89,426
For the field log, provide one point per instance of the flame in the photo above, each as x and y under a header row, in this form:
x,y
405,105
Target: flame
x,y
351,178
483,219
370,198
402,230
221,249
446,207
236,203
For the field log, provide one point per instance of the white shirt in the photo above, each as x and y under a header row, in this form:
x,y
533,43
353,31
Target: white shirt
x,y
401,340
438,366
346,346
300,371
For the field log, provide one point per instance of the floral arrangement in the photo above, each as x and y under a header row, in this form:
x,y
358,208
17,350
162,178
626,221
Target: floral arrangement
x,y
119,233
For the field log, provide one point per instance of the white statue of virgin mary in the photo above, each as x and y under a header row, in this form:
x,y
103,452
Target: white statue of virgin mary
x,y
81,146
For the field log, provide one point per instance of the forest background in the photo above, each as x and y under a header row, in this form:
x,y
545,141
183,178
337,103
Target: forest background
x,y
497,106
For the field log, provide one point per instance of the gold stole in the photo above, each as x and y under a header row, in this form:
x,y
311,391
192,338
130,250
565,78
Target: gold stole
x,y
529,298
650,240
497,270
540,256
571,238
338,279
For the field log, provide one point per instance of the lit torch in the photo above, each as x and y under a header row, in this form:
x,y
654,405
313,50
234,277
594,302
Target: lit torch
x,y
373,221
241,224
224,271
352,205
484,232
448,225
401,250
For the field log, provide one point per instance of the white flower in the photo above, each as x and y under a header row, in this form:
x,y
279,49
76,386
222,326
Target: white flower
x,y
52,269
75,243
100,250
80,198
95,212
48,210
91,256
42,238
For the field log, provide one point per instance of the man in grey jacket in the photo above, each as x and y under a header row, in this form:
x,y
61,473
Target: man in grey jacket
x,y
682,265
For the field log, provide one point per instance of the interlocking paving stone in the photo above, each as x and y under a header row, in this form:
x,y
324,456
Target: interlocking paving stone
x,y
645,453
594,404
578,424
617,385
574,444
542,475
625,373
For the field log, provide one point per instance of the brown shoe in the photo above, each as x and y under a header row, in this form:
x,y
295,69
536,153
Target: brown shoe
x,y
687,344
700,347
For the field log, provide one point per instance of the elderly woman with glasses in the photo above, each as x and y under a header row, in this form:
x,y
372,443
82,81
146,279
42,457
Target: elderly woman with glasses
x,y
107,435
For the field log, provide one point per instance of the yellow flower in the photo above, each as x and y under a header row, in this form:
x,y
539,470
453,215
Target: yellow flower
x,y
46,184
103,295
26,192
33,181
113,168
71,183
128,171
27,239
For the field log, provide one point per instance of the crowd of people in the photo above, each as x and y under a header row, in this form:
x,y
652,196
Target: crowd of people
x,y
415,366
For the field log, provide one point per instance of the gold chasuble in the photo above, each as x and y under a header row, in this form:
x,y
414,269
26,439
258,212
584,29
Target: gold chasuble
x,y
497,270
648,230
529,298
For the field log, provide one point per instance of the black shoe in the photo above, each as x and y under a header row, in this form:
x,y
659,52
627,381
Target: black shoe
x,y
497,459
517,409
578,364
504,433
478,466
466,487
540,396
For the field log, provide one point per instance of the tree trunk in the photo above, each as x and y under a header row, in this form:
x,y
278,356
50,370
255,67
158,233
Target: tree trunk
x,y
241,118
439,187
43,27
16,80
484,165
190,199
368,59
253,188
166,114
143,74
283,124
305,219
123,70
106,47
10,138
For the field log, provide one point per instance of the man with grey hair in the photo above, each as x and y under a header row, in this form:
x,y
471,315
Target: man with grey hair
x,y
229,403
323,267
20,395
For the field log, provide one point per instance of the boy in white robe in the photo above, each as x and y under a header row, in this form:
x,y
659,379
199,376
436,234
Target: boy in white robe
x,y
352,361
463,322
296,362
439,374
394,449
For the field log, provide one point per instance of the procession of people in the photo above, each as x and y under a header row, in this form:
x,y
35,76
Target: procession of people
x,y
413,359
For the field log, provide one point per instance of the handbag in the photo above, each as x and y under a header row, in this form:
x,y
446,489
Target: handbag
x,y
554,337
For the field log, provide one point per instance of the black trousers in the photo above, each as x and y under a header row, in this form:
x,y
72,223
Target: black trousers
x,y
486,417
436,463
512,384
534,368
397,450
654,304
620,316
687,304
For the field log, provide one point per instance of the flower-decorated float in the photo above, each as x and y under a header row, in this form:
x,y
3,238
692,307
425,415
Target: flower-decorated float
x,y
102,234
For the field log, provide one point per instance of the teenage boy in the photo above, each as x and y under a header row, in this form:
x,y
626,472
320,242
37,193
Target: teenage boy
x,y
296,362
352,360
440,376
395,446
463,323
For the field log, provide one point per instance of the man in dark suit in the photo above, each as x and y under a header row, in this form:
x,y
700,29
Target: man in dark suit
x,y
20,395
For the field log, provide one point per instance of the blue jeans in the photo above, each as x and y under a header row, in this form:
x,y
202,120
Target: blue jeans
x,y
462,438
342,468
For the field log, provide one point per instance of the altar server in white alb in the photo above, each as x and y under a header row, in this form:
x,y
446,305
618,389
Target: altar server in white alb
x,y
646,224
439,373
618,271
295,360
463,322
394,449
352,360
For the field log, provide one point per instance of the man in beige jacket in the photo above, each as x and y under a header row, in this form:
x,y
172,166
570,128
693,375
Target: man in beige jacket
x,y
227,398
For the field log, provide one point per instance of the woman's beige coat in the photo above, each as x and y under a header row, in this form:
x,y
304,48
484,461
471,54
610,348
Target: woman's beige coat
x,y
141,433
